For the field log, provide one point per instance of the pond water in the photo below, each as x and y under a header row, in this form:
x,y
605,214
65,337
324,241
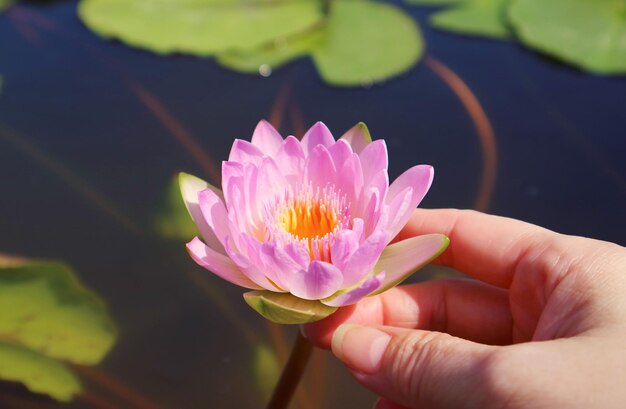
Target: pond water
x,y
92,132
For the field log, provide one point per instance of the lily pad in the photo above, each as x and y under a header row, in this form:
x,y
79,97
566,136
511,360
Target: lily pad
x,y
283,308
43,307
475,17
588,34
271,56
352,48
198,27
435,2
172,221
37,372
367,42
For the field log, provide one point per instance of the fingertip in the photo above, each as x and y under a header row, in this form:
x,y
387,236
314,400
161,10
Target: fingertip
x,y
320,333
383,403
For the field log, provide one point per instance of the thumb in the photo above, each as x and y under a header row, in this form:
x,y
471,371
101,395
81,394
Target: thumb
x,y
416,368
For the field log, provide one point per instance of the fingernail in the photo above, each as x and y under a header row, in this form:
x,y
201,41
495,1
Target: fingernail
x,y
360,348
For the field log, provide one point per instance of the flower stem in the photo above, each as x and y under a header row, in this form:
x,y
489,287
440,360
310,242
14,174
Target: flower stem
x,y
290,378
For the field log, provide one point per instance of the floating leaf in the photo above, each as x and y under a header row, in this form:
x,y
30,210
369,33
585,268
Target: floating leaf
x,y
43,307
273,55
350,49
173,221
590,34
435,2
476,17
199,27
266,369
284,308
37,372
367,42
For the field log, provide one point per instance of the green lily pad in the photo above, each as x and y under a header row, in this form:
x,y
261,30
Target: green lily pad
x,y
284,308
43,307
475,17
172,221
350,49
37,372
198,27
269,57
590,34
435,2
367,42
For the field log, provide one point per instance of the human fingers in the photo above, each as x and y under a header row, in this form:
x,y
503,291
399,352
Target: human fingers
x,y
383,403
484,246
414,368
464,308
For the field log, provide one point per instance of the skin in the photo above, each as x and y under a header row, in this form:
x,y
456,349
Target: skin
x,y
542,325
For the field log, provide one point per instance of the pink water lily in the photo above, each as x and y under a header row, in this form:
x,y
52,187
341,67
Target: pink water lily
x,y
307,224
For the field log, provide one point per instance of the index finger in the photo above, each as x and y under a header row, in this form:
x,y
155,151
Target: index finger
x,y
483,246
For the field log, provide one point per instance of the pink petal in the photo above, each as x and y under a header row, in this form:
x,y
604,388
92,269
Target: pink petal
x,y
364,259
358,137
418,178
249,267
319,168
266,138
402,259
318,134
350,180
232,174
218,264
320,281
190,187
346,243
340,152
244,152
373,159
279,265
395,215
214,212
290,159
356,294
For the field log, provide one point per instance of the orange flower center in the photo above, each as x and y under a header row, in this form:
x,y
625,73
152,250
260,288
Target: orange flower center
x,y
309,218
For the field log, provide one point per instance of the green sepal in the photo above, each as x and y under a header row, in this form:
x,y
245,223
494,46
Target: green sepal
x,y
284,308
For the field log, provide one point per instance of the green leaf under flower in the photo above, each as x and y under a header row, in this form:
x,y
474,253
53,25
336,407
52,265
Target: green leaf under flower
x,y
590,34
37,372
284,308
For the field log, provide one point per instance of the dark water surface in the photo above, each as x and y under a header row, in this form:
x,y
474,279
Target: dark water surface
x,y
84,164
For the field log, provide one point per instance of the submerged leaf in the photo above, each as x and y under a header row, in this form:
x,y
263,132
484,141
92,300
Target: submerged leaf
x,y
367,42
284,308
266,369
475,17
45,308
198,27
37,372
588,34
